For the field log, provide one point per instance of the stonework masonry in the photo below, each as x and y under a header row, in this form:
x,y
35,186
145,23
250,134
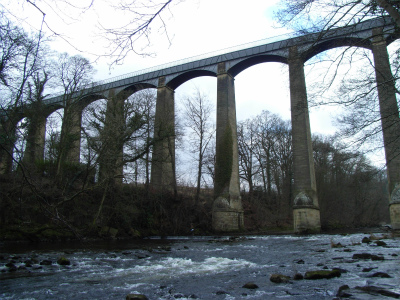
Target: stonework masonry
x,y
390,120
163,162
227,207
306,210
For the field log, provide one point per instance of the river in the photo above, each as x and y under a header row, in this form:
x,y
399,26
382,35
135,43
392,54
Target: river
x,y
201,268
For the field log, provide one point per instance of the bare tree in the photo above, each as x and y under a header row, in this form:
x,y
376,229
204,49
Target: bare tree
x,y
198,111
316,15
131,35
74,73
247,145
21,56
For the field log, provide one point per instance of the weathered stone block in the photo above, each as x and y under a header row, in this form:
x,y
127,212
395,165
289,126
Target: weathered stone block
x,y
306,220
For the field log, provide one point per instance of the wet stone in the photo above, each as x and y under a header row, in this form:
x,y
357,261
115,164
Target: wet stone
x,y
298,276
367,269
10,265
62,261
381,275
342,291
322,274
136,297
179,296
342,271
377,257
373,290
250,285
12,268
46,262
221,293
366,240
367,256
336,245
279,278
380,243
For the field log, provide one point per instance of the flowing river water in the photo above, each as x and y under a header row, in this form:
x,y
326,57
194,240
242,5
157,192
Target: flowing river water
x,y
201,268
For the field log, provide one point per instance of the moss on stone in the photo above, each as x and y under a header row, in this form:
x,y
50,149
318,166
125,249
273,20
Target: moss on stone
x,y
322,274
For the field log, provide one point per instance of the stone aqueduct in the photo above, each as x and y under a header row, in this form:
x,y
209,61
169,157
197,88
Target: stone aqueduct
x,y
373,34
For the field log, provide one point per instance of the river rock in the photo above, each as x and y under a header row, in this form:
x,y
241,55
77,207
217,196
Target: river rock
x,y
250,285
380,243
322,274
221,293
340,270
62,261
11,267
367,269
381,275
370,289
279,278
46,262
298,276
366,240
341,292
136,297
367,256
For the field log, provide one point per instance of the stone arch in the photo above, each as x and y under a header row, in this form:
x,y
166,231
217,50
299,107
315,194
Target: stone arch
x,y
131,89
88,99
335,43
178,80
254,60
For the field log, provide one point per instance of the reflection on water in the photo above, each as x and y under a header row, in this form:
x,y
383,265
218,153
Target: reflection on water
x,y
195,268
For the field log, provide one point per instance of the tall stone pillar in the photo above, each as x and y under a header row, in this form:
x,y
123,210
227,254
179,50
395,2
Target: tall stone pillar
x,y
112,139
227,208
70,139
390,120
306,214
73,122
35,140
163,176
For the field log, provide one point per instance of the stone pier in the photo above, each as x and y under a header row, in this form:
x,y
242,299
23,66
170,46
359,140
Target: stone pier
x,y
112,139
390,120
70,139
306,215
163,160
35,140
227,214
